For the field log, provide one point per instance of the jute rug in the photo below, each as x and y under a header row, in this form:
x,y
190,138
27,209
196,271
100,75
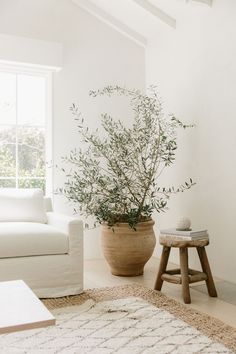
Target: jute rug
x,y
126,319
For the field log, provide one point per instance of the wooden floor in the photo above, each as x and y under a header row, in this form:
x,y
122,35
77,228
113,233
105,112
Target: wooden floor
x,y
97,275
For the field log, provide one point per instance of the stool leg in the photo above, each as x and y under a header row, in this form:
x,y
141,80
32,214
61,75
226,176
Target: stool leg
x,y
183,251
207,270
162,267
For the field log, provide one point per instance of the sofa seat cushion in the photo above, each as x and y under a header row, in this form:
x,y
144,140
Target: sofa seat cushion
x,y
20,239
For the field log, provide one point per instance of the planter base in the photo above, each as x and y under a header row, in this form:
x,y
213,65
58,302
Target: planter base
x,y
122,273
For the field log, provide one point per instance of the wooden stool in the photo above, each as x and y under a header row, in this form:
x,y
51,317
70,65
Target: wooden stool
x,y
187,276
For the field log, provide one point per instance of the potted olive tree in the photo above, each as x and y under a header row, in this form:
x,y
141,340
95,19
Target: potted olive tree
x,y
114,178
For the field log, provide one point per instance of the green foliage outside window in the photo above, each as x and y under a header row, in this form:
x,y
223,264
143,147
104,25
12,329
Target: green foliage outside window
x,y
29,147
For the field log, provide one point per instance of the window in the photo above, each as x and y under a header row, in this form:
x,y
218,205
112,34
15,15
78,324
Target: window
x,y
24,118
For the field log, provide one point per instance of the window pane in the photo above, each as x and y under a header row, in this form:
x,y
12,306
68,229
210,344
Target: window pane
x,y
31,152
7,98
7,151
31,100
22,130
32,183
7,135
7,183
7,161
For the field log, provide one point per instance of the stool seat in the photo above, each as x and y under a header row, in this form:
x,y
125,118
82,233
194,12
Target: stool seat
x,y
184,275
176,241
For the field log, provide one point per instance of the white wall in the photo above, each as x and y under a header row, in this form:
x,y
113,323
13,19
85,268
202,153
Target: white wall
x,y
15,49
195,69
94,55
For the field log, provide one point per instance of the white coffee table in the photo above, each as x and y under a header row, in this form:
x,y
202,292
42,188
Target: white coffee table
x,y
20,308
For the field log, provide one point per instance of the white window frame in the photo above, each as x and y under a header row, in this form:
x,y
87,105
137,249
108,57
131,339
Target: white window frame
x,y
47,74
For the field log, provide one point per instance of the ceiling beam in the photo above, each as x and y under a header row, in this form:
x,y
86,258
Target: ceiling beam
x,y
157,12
207,2
105,17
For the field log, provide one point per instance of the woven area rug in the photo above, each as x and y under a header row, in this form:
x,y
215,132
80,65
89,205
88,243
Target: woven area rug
x,y
126,319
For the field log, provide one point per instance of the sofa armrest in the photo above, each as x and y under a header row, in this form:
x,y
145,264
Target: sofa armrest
x,y
72,226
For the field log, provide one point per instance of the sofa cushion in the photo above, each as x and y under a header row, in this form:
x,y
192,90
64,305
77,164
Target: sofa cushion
x,y
22,205
20,239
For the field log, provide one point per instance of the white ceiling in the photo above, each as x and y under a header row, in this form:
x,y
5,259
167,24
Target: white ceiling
x,y
145,23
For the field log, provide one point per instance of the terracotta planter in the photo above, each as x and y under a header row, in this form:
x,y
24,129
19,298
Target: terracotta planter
x,y
126,250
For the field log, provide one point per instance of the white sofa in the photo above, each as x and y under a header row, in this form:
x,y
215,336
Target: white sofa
x,y
39,246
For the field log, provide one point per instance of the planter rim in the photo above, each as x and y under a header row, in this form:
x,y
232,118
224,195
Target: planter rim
x,y
151,221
